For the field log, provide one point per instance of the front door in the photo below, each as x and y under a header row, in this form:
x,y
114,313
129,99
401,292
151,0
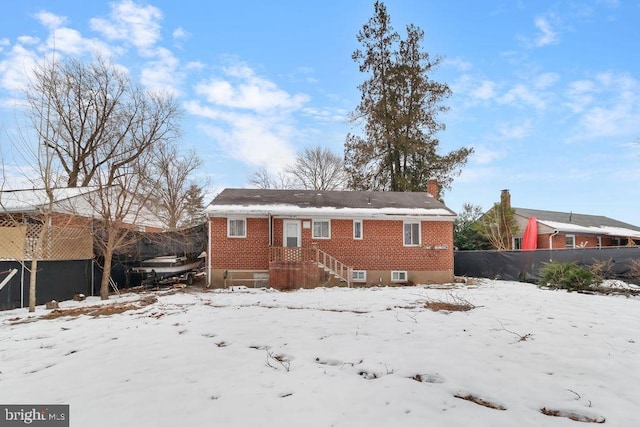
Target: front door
x,y
292,233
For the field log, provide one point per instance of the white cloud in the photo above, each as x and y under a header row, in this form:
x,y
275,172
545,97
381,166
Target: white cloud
x,y
521,94
28,40
50,20
510,131
17,67
180,34
139,25
545,80
249,117
547,35
248,91
485,91
580,94
607,106
483,155
458,64
252,139
162,74
71,42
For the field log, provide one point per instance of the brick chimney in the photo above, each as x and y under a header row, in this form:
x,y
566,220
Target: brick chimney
x,y
505,199
433,188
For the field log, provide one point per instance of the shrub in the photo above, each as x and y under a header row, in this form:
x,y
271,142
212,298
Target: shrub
x,y
603,268
566,275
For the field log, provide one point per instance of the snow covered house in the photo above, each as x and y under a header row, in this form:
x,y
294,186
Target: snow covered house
x,y
307,238
541,229
568,230
57,231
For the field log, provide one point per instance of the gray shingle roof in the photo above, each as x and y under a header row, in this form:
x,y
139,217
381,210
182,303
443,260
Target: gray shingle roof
x,y
574,218
333,199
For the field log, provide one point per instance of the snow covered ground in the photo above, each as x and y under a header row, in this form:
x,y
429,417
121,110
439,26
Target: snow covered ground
x,y
331,357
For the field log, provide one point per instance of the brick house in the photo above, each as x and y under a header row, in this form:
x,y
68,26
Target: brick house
x,y
569,230
307,238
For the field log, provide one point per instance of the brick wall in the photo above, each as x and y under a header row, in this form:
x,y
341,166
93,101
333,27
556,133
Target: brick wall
x,y
559,241
251,252
382,247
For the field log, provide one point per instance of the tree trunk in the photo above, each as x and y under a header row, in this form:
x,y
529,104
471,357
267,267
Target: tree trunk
x,y
32,284
106,274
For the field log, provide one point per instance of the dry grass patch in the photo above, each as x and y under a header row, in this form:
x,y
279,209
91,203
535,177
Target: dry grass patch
x,y
573,416
102,310
453,303
447,306
480,401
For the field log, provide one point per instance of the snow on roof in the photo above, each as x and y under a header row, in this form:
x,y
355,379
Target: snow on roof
x,y
66,200
25,200
293,210
368,204
600,230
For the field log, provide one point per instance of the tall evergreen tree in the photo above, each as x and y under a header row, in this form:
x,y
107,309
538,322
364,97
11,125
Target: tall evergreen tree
x,y
399,104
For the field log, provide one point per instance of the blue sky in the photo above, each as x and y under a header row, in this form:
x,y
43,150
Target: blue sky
x,y
546,92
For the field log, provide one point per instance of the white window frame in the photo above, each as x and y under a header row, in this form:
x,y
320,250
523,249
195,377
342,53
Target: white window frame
x,y
236,236
357,221
516,243
573,238
395,276
313,229
404,227
361,273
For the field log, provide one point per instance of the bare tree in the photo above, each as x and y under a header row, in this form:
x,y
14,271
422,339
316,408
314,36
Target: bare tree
x,y
171,188
101,119
107,132
119,204
265,180
318,168
36,225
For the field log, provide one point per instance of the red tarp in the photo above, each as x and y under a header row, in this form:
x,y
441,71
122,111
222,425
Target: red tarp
x,y
530,237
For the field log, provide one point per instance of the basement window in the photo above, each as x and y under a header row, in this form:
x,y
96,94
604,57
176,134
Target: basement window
x,y
399,276
359,275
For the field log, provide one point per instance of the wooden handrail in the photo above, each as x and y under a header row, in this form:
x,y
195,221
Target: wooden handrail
x,y
316,255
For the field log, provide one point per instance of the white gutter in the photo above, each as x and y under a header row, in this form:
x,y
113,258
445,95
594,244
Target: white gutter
x,y
555,233
208,252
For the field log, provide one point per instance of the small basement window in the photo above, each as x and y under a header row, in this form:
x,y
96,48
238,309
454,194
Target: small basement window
x,y
236,227
359,275
399,276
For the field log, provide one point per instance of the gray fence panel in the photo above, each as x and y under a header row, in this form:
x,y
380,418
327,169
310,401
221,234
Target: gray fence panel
x,y
525,265
56,280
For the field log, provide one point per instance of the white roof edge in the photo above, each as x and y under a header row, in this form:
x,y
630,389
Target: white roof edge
x,y
604,230
435,214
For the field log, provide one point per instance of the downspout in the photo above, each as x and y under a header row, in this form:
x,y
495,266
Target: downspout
x,y
208,252
555,233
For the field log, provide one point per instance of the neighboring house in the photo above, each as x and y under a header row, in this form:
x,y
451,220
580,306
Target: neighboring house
x,y
58,233
569,230
560,230
306,238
